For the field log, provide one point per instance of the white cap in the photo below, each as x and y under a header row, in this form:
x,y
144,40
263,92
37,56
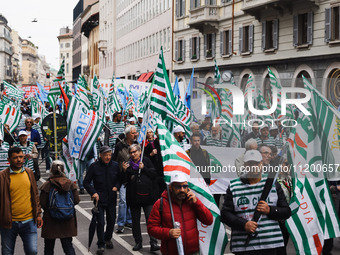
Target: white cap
x,y
263,126
140,115
178,129
178,177
273,127
22,132
132,119
252,155
1,136
35,116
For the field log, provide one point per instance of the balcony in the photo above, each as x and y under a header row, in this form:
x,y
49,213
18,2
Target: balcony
x,y
102,45
204,18
257,8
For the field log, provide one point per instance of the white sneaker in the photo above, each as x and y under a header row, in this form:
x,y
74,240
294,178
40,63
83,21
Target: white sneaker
x,y
47,171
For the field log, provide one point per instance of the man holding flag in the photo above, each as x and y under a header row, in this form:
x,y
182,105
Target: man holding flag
x,y
187,209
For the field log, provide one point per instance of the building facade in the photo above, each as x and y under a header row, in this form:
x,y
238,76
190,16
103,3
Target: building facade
x,y
6,51
44,72
76,43
90,39
17,58
293,38
142,27
65,39
107,38
29,63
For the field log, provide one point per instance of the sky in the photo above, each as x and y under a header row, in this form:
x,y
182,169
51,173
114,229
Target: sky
x,y
51,16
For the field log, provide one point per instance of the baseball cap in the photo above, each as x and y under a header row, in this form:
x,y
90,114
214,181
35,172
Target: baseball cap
x,y
22,132
252,155
263,126
132,119
104,149
178,129
273,127
36,115
178,177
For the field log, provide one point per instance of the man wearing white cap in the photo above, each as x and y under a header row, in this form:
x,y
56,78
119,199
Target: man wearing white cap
x,y
241,201
29,150
179,134
274,133
4,147
187,209
264,137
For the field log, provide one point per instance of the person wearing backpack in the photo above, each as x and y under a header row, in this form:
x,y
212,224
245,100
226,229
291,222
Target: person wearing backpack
x,y
58,197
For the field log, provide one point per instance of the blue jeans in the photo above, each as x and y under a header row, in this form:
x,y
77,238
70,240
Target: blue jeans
x,y
83,165
28,233
124,214
110,220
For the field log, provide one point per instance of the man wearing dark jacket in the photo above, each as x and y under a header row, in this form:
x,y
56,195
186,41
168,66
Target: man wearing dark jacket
x,y
20,211
187,209
240,203
104,174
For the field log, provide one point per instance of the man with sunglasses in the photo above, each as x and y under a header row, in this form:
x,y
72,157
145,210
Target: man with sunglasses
x,y
187,208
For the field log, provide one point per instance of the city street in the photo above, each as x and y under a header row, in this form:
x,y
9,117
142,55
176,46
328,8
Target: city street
x,y
122,242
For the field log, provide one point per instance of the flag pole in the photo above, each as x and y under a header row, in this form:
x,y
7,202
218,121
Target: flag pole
x,y
55,132
179,241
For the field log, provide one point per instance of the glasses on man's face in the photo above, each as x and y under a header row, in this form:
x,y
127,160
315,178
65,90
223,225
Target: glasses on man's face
x,y
29,122
133,152
178,187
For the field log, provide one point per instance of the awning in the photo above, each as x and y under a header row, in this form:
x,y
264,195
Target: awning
x,y
141,77
147,77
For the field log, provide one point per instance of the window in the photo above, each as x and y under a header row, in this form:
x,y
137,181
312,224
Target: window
x,y
194,48
225,1
270,34
61,55
180,51
303,29
246,39
195,3
180,8
67,45
67,55
61,46
67,68
210,2
226,43
209,45
332,24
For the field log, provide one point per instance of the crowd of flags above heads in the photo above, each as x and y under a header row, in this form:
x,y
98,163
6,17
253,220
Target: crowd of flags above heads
x,y
314,140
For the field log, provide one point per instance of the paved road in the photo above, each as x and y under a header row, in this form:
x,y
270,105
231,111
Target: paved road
x,y
122,242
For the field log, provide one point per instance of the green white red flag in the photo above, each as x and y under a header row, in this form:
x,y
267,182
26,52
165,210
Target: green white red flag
x,y
213,238
55,92
10,113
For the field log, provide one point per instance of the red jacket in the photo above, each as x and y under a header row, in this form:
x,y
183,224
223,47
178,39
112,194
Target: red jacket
x,y
186,215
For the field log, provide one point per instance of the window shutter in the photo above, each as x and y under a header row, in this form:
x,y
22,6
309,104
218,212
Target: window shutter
x,y
213,45
328,24
183,49
176,50
310,28
263,45
296,30
198,47
221,43
183,7
230,49
205,45
251,38
276,34
177,8
240,42
190,48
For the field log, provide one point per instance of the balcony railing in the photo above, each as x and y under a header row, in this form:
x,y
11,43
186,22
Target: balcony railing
x,y
204,18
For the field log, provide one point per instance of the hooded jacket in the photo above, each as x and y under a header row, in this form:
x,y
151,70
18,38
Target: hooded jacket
x,y
56,228
187,215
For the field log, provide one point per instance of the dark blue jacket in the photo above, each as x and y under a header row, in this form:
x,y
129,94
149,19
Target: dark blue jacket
x,y
104,178
35,136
